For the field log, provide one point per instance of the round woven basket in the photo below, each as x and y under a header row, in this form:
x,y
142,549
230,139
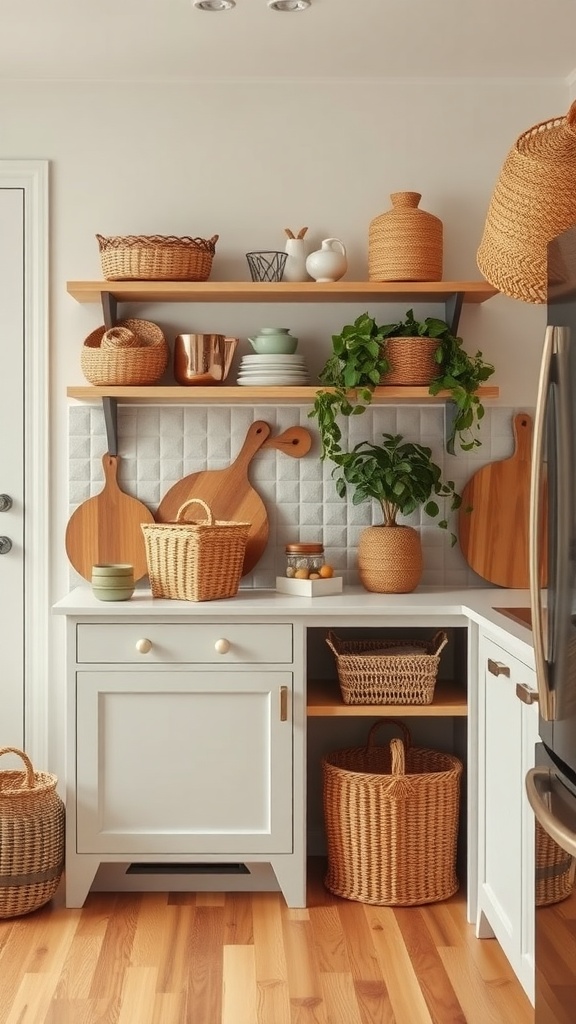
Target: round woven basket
x,y
405,243
120,337
533,201
390,559
411,361
31,838
156,257
130,366
554,870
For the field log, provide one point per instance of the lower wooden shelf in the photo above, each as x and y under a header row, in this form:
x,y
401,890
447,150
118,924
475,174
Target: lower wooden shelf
x,y
325,701
222,394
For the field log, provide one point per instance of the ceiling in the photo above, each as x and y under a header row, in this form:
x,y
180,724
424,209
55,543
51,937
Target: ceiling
x,y
352,39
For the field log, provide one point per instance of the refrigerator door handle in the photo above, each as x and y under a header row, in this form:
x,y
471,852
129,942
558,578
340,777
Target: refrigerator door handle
x,y
554,807
545,692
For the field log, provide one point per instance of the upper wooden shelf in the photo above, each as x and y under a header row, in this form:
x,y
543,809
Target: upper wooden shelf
x,y
284,291
219,393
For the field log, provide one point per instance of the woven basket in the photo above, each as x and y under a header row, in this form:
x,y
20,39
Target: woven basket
x,y
411,361
554,870
405,243
387,671
116,365
391,817
533,201
31,838
195,561
156,257
390,559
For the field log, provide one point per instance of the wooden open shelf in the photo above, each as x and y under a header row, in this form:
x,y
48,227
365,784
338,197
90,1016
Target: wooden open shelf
x,y
325,701
284,291
218,394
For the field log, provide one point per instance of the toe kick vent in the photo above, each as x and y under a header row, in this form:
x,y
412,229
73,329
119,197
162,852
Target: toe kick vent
x,y
187,869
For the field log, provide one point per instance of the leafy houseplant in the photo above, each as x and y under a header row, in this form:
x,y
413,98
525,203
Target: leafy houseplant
x,y
401,476
359,361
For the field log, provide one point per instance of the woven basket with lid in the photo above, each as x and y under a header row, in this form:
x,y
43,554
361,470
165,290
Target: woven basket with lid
x,y
533,201
405,243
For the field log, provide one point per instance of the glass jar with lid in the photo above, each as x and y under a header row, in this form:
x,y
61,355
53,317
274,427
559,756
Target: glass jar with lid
x,y
303,558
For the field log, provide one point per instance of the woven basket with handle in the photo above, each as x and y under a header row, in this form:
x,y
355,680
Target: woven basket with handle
x,y
31,837
156,257
195,561
387,671
391,816
534,201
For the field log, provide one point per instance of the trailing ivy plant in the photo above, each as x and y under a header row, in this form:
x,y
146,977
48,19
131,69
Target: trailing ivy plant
x,y
400,475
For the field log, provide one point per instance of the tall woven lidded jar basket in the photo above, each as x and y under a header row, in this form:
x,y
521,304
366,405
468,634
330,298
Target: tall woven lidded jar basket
x,y
405,243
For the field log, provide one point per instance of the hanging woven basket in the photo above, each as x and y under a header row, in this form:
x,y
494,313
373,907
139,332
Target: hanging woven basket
x,y
533,202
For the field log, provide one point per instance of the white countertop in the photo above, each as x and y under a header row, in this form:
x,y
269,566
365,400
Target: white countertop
x,y
425,605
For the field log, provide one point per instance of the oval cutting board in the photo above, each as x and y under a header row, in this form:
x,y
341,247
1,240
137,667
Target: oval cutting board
x,y
494,534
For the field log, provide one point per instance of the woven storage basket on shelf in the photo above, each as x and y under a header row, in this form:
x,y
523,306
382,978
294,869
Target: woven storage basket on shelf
x,y
411,361
534,201
109,365
387,671
405,243
156,257
31,837
391,817
554,870
195,561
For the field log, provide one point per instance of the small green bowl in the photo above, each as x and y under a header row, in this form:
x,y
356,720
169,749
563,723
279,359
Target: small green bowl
x,y
113,593
112,569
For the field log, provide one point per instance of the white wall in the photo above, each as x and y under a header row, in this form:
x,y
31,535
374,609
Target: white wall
x,y
245,160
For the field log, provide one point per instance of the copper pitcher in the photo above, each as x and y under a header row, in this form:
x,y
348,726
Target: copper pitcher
x,y
203,358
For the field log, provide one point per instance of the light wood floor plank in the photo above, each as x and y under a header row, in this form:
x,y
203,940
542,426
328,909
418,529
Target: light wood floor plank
x,y
270,961
205,969
306,999
432,978
169,1008
406,996
176,954
329,940
371,991
238,918
116,948
340,998
138,995
239,997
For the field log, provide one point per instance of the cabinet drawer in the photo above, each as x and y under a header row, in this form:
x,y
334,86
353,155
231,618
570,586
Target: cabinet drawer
x,y
208,643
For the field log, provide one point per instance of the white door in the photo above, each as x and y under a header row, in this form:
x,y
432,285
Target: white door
x,y
12,466
24,607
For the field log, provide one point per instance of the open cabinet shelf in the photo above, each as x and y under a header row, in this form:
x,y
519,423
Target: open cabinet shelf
x,y
325,701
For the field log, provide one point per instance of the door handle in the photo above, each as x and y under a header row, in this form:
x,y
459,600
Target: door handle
x,y
5,502
283,703
5,545
527,694
498,668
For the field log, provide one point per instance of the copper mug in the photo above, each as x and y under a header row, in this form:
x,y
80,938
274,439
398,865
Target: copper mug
x,y
203,358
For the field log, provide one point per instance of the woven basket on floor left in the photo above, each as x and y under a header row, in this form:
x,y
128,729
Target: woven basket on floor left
x,y
31,837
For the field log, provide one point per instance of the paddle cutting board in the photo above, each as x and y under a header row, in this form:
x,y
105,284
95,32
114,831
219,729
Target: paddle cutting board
x,y
229,492
494,535
106,528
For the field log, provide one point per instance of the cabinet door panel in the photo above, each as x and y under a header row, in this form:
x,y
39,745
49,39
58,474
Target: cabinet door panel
x,y
183,762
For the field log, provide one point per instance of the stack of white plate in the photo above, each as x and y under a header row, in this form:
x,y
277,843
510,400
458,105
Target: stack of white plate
x,y
267,370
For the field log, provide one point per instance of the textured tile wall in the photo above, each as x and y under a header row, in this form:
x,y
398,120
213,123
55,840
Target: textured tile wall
x,y
160,444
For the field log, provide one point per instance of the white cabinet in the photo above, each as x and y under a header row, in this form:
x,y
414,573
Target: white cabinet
x,y
508,728
181,748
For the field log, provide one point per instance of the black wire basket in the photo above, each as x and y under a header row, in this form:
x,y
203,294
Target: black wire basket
x,y
266,265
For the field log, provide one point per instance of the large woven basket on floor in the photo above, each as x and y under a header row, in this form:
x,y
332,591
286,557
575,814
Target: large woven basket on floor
x,y
554,870
387,671
195,561
412,361
31,837
533,201
405,243
156,257
391,817
125,363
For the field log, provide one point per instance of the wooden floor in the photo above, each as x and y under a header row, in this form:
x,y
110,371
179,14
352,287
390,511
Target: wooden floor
x,y
222,958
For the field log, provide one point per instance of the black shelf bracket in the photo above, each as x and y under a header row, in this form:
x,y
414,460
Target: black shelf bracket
x,y
110,408
109,309
452,311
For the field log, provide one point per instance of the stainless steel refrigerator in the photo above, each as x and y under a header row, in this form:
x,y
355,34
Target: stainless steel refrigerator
x,y
551,784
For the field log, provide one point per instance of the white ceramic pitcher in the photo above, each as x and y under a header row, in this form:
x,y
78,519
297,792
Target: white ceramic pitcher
x,y
328,263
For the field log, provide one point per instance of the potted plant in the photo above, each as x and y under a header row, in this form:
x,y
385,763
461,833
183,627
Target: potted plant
x,y
363,356
401,476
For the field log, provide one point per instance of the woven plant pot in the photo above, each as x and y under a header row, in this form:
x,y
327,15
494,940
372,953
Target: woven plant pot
x,y
390,559
411,361
533,201
156,257
405,243
124,365
31,838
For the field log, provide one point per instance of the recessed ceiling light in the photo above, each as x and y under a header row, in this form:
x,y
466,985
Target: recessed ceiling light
x,y
288,5
214,5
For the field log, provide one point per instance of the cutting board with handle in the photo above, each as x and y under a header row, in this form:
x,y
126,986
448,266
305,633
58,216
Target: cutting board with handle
x,y
230,494
106,527
494,534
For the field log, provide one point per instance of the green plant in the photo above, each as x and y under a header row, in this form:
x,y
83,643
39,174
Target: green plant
x,y
458,373
358,362
400,475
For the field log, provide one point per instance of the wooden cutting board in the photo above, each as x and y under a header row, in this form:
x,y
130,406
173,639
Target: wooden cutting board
x,y
106,528
494,535
229,493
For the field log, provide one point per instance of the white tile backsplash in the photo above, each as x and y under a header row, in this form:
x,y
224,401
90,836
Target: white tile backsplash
x,y
158,445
